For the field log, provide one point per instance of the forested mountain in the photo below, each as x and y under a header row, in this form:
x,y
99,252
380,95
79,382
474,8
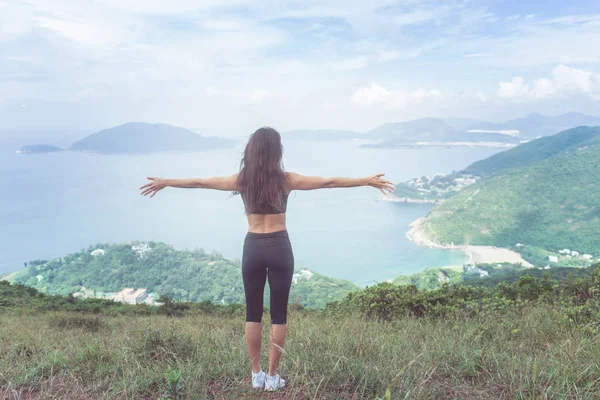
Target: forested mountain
x,y
141,137
543,194
184,275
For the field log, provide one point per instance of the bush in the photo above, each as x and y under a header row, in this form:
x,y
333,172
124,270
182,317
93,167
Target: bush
x,y
579,299
89,324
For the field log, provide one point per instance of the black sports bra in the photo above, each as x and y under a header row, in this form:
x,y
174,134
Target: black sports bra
x,y
268,209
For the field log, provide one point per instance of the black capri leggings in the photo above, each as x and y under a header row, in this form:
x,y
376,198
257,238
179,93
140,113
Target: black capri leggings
x,y
267,255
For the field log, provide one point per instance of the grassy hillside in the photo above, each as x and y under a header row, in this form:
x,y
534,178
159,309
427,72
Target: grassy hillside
x,y
535,151
184,275
543,194
535,338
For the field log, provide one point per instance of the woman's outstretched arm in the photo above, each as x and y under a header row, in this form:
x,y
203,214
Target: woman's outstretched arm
x,y
301,182
228,183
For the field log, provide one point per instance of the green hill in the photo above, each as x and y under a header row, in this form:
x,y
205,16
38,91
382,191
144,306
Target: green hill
x,y
184,275
535,338
543,194
141,137
534,151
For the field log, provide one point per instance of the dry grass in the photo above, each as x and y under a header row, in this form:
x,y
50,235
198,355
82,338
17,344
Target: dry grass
x,y
533,355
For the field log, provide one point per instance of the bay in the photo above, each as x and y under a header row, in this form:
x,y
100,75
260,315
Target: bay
x,y
56,203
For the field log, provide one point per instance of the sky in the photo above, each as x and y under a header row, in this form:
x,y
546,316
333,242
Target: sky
x,y
229,66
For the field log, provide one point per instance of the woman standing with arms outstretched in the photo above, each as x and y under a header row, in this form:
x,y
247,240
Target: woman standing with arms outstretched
x,y
264,187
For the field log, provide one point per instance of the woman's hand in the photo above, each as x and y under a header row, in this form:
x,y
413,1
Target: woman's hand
x,y
156,185
383,185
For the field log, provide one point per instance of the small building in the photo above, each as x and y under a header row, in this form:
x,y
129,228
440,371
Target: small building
x,y
302,275
575,253
141,249
553,259
97,252
471,269
587,257
131,296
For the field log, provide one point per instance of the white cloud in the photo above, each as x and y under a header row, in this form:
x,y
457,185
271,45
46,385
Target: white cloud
x,y
516,87
482,96
259,95
370,95
418,16
531,41
211,91
375,94
251,96
565,81
158,59
15,19
350,63
388,55
84,32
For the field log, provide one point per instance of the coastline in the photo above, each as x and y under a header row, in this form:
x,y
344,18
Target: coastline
x,y
8,276
392,198
477,254
422,145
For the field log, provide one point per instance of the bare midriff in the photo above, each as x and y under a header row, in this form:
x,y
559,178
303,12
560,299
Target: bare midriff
x,y
266,223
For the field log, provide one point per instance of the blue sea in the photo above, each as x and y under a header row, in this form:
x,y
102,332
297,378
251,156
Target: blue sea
x,y
57,203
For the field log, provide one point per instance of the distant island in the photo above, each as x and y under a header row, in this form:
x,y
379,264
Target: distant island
x,y
39,148
535,125
451,132
321,134
539,200
141,137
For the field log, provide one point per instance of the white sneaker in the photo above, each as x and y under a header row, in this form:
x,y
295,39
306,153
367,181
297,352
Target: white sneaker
x,y
273,383
258,379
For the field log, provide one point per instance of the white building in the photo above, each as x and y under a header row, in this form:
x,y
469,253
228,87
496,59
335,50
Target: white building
x,y
131,296
553,259
302,275
141,249
97,252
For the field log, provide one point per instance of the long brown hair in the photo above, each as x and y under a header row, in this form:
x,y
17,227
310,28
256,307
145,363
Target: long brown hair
x,y
262,180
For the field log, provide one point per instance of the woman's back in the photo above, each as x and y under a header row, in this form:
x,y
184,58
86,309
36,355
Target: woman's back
x,y
267,255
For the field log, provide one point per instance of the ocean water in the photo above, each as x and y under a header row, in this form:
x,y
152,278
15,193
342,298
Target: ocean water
x,y
57,203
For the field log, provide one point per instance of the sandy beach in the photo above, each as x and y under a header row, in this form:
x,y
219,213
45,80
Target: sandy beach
x,y
477,254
